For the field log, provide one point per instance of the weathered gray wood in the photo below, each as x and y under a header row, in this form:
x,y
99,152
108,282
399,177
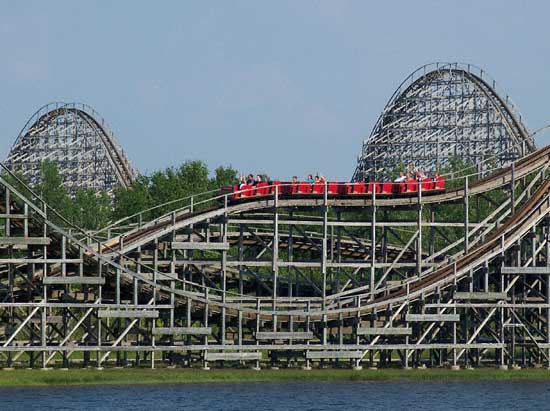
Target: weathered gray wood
x,y
384,331
14,216
479,296
433,317
40,260
525,270
182,331
127,314
232,356
179,245
74,280
337,355
25,241
284,335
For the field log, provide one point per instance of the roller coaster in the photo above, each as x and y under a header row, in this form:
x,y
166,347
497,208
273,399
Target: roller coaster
x,y
440,112
78,141
452,272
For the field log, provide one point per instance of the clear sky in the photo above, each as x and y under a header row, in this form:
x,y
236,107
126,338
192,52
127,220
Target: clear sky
x,y
278,87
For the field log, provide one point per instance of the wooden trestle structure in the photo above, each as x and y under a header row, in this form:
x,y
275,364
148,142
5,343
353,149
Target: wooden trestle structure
x,y
294,281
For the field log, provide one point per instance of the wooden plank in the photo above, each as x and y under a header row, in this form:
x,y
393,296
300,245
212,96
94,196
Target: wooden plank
x,y
74,280
479,296
336,355
182,331
180,245
384,331
25,241
232,356
525,270
14,216
433,317
40,260
284,335
127,314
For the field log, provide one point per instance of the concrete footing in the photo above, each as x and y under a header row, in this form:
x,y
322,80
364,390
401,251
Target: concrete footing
x,y
306,368
455,367
503,367
205,368
255,368
8,369
357,367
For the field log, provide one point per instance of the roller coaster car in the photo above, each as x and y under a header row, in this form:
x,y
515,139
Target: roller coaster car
x,y
386,189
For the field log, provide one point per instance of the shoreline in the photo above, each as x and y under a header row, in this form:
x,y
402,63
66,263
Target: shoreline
x,y
92,376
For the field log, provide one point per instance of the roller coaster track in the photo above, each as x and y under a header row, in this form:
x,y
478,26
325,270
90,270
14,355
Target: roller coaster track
x,y
165,224
161,227
190,269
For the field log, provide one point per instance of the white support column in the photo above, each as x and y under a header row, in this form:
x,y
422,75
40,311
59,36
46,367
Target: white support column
x,y
373,244
275,255
324,261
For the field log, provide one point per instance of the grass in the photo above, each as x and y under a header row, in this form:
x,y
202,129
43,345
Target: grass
x,y
181,376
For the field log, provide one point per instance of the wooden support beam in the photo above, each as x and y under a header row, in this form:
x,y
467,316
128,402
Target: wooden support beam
x,y
479,296
232,356
40,260
74,280
433,317
128,314
384,331
335,355
182,331
179,245
525,270
283,335
25,241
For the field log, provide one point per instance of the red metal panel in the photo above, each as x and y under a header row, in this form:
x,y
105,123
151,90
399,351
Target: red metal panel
x,y
304,187
318,187
412,185
359,188
236,193
333,188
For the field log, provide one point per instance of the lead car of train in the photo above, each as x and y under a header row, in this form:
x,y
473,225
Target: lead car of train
x,y
410,187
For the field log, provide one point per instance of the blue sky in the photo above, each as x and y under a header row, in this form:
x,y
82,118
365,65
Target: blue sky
x,y
280,87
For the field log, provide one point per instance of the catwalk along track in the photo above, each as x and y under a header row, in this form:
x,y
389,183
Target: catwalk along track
x,y
455,275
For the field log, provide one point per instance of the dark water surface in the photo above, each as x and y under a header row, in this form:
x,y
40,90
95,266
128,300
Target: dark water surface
x,y
302,396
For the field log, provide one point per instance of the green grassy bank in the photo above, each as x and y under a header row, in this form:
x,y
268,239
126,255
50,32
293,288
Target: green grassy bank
x,y
178,376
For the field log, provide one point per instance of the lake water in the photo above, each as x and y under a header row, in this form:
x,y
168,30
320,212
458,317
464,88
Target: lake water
x,y
302,396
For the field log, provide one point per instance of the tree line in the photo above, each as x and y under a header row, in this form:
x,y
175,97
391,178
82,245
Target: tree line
x,y
91,209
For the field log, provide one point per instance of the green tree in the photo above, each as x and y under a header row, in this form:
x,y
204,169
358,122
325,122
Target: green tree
x,y
224,176
91,209
132,200
52,190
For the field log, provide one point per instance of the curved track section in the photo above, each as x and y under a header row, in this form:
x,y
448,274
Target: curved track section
x,y
184,217
77,139
456,278
444,111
